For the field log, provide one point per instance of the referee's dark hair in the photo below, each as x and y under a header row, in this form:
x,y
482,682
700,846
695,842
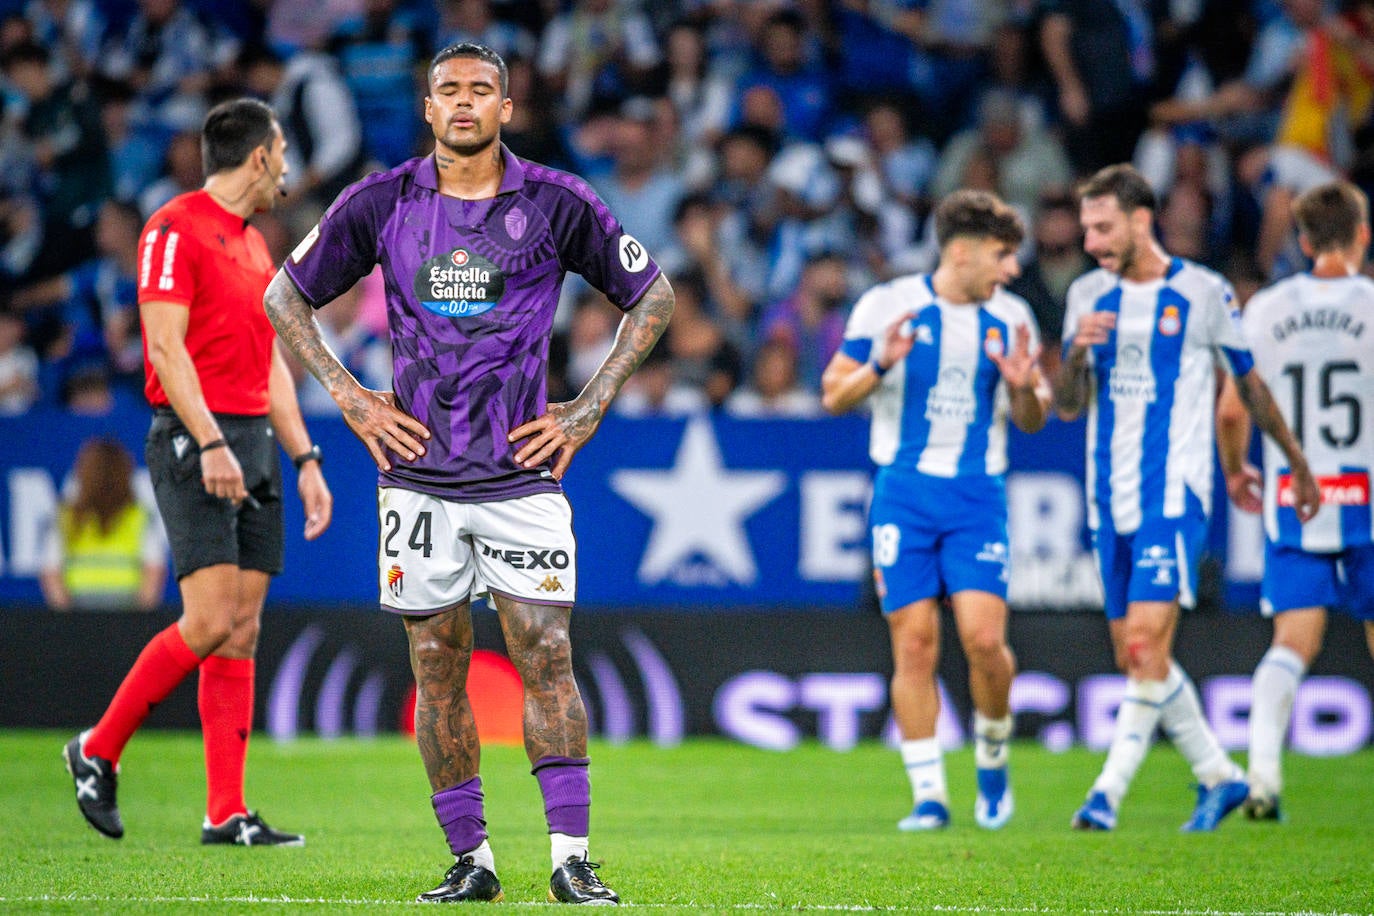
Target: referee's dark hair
x,y
232,130
480,52
1123,182
976,215
1329,216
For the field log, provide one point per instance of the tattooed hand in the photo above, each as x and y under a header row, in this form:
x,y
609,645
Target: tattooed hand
x,y
562,431
566,427
382,426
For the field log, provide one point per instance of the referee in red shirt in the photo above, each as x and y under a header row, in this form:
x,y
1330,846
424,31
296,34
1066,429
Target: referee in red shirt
x,y
219,389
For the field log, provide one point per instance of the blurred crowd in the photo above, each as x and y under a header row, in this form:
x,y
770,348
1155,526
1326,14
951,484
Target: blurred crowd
x,y
777,157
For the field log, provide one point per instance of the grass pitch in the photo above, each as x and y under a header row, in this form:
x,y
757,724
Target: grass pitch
x,y
709,826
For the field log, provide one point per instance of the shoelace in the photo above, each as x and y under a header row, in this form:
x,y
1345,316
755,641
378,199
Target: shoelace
x,y
586,871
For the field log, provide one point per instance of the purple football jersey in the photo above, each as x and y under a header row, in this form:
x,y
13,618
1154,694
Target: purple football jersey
x,y
471,290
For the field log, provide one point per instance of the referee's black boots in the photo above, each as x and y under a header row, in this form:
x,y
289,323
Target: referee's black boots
x,y
94,780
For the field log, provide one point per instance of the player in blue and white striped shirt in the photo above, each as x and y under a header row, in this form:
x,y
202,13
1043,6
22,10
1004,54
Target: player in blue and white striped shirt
x,y
1313,340
946,357
1145,335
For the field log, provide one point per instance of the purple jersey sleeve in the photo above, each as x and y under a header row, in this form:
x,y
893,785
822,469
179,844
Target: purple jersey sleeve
x,y
342,248
591,241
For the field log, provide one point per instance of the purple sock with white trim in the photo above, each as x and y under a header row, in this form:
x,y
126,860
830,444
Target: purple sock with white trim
x,y
567,789
459,809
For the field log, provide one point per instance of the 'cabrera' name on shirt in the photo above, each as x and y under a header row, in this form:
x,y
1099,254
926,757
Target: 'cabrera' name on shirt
x,y
459,284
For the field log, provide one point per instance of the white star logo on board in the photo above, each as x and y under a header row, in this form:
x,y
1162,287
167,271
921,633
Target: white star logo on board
x,y
699,508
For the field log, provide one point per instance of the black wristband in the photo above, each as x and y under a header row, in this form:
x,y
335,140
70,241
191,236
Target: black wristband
x,y
214,444
878,370
313,455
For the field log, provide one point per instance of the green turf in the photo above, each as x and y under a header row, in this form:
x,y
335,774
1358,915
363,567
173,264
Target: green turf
x,y
708,826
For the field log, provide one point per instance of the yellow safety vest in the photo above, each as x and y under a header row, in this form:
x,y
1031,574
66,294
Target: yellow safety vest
x,y
104,569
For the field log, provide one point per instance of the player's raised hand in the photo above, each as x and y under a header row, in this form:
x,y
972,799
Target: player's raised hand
x,y
1018,366
1245,487
382,426
562,431
897,341
1094,328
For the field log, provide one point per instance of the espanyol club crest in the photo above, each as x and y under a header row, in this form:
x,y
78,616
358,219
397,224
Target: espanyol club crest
x,y
993,345
1169,323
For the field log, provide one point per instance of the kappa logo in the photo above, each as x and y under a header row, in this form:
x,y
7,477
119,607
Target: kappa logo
x,y
551,584
395,580
924,334
1161,560
180,443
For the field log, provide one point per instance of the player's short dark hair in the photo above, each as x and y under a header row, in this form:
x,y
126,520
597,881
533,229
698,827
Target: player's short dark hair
x,y
1123,182
232,130
1330,215
480,52
977,215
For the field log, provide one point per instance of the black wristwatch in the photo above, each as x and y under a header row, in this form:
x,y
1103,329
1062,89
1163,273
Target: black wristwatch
x,y
313,455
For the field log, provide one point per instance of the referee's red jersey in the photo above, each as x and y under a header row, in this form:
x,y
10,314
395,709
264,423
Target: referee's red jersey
x,y
195,253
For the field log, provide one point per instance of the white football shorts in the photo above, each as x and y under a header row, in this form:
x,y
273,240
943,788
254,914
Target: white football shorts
x,y
433,553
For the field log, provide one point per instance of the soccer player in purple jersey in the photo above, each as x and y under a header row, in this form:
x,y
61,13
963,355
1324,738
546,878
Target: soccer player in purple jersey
x,y
474,244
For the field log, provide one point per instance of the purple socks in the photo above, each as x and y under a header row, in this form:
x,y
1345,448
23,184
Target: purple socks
x,y
459,809
567,792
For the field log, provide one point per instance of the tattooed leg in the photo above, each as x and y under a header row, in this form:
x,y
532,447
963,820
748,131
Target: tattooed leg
x,y
440,653
537,639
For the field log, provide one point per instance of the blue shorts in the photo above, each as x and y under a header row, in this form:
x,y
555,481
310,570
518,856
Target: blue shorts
x,y
1341,581
936,536
1156,562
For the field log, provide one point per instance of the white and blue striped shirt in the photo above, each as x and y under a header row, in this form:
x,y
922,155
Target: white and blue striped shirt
x,y
1153,393
943,409
1314,346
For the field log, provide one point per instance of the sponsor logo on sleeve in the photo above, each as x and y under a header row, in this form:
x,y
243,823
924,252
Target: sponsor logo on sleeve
x,y
305,244
633,257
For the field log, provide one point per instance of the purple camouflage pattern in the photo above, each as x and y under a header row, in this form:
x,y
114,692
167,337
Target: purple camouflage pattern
x,y
471,291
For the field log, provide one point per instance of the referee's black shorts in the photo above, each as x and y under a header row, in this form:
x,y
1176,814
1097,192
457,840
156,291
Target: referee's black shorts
x,y
204,530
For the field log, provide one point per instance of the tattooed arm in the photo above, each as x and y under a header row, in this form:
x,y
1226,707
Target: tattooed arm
x,y
567,427
1254,394
372,415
